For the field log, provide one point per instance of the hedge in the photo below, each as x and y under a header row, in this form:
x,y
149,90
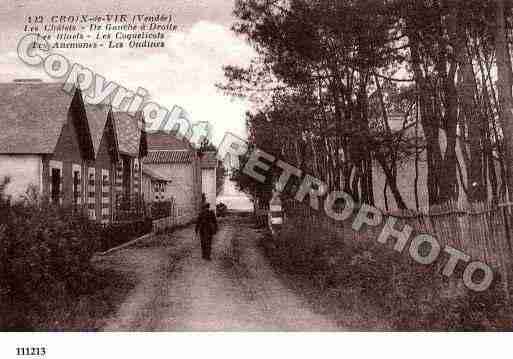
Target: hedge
x,y
45,259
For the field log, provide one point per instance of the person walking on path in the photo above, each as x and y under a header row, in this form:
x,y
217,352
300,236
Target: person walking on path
x,y
206,226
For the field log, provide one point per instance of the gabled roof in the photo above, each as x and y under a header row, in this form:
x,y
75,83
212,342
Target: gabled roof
x,y
101,122
161,140
97,119
32,116
159,157
130,132
110,129
208,160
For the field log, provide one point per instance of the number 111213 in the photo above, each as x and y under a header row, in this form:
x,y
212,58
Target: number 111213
x,y
30,351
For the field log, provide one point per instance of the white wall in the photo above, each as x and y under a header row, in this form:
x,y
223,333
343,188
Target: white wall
x,y
208,185
181,188
406,182
146,188
23,170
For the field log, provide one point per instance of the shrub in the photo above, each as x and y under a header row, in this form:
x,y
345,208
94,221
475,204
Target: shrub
x,y
45,254
408,295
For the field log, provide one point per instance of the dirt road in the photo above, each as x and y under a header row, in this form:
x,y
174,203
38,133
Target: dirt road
x,y
238,290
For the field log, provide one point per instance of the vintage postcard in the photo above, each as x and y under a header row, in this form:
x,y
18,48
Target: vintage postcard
x,y
254,166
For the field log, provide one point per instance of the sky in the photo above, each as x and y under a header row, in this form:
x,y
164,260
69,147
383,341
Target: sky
x,y
184,73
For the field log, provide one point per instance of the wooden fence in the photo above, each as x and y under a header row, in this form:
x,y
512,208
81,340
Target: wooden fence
x,y
164,215
481,230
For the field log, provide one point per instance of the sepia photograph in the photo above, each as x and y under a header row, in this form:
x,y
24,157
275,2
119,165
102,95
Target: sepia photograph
x,y
248,167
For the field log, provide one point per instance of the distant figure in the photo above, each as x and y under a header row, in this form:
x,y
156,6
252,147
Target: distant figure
x,y
206,226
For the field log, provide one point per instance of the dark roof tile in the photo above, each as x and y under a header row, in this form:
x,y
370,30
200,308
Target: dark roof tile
x,y
161,140
32,116
96,117
129,133
169,157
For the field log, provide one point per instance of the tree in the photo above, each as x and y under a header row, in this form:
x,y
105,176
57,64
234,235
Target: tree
x,y
328,74
504,88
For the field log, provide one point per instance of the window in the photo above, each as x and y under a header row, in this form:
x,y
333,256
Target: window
x,y
76,188
127,180
56,185
91,194
106,196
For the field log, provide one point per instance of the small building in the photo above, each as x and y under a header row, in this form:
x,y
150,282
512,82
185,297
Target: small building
x,y
412,174
154,186
208,177
70,152
178,161
45,141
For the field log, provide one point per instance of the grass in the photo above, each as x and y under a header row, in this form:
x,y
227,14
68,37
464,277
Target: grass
x,y
368,286
347,306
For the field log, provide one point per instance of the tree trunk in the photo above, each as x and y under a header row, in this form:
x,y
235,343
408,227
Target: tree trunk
x,y
504,91
473,120
391,179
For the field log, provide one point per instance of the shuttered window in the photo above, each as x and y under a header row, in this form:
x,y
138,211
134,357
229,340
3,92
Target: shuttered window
x,y
91,193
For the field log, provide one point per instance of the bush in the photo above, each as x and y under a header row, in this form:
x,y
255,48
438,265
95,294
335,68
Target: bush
x,y
118,233
409,296
45,254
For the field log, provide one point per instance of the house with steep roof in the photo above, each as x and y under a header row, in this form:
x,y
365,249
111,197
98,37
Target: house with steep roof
x,y
208,165
177,161
133,148
412,172
67,150
45,141
100,172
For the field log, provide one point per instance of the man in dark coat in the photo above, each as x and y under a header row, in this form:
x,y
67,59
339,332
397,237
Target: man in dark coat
x,y
206,226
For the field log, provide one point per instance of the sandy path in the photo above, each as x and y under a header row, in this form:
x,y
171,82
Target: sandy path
x,y
237,290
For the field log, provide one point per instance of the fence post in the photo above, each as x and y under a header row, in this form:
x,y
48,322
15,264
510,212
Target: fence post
x,y
506,227
510,251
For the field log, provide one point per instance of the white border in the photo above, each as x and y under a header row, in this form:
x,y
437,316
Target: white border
x,y
259,345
